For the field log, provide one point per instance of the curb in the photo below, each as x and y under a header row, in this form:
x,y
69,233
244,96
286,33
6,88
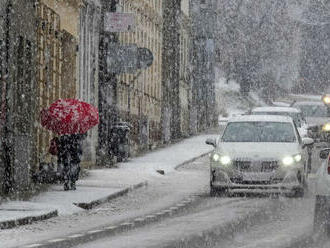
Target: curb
x,y
191,160
27,220
100,201
106,231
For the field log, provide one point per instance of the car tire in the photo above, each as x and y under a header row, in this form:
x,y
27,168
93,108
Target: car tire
x,y
299,192
302,178
213,192
217,191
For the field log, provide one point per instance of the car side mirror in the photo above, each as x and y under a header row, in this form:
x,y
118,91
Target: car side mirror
x,y
211,142
324,153
307,142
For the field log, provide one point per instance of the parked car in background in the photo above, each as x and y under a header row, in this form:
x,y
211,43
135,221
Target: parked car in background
x,y
294,113
259,153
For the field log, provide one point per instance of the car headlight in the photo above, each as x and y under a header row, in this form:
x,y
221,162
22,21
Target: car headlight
x,y
215,157
326,127
288,160
297,158
225,160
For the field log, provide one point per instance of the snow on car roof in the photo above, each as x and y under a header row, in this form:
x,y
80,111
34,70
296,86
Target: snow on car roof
x,y
309,103
276,109
262,118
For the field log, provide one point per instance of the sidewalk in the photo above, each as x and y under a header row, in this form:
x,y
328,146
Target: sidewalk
x,y
104,184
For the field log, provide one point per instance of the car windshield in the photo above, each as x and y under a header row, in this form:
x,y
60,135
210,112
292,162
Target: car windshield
x,y
297,117
314,110
259,132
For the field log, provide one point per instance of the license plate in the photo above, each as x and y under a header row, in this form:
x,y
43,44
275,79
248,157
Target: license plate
x,y
257,176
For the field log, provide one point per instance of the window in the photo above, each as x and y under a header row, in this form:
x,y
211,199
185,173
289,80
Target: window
x,y
281,132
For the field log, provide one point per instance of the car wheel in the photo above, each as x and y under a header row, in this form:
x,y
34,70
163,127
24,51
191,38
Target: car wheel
x,y
302,178
213,192
217,191
299,192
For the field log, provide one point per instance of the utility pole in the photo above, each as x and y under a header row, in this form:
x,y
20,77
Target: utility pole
x,y
107,88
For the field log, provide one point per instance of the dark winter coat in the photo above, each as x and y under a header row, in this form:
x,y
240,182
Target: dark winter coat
x,y
69,149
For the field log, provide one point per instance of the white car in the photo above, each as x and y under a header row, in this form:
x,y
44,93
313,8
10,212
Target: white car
x,y
322,191
294,113
259,154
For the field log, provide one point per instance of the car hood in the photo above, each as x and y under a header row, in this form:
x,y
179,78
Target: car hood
x,y
257,150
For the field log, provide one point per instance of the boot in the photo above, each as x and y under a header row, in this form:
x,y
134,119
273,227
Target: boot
x,y
66,186
73,185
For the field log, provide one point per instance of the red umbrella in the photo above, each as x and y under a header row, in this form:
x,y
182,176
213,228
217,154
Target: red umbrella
x,y
69,116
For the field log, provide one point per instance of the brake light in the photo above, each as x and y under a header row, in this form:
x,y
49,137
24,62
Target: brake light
x,y
329,165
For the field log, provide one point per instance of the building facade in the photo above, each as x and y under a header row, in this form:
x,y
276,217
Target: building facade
x,y
57,45
140,95
184,71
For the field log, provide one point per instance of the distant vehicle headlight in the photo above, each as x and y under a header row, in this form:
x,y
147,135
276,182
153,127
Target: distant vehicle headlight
x,y
326,99
326,127
216,157
225,160
288,160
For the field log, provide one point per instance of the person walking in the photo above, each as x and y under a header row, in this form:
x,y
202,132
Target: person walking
x,y
71,119
69,158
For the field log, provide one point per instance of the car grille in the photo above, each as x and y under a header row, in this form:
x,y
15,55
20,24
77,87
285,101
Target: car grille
x,y
242,165
255,166
269,166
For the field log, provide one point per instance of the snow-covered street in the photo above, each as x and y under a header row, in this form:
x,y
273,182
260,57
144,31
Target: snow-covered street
x,y
235,221
203,221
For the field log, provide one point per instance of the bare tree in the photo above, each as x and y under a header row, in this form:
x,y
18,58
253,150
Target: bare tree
x,y
254,38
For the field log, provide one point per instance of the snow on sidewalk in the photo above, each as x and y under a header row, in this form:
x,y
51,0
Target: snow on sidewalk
x,y
105,182
145,167
65,201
